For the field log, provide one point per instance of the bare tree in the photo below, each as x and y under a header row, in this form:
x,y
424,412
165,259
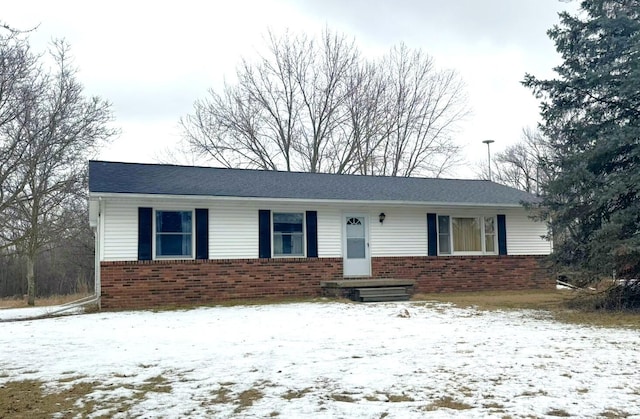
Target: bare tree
x,y
523,165
283,110
58,129
367,128
18,67
318,106
423,106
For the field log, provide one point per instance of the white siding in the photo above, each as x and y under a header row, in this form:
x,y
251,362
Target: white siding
x,y
403,233
329,231
233,230
120,231
524,236
233,227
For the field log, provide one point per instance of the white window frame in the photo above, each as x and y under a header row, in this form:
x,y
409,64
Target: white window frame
x,y
193,235
304,235
480,218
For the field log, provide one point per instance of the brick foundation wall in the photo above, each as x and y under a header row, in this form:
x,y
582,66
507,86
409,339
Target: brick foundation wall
x,y
144,284
467,273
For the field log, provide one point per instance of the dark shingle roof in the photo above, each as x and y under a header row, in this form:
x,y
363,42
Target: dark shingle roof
x,y
162,179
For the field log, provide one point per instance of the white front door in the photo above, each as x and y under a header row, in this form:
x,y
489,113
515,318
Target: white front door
x,y
355,245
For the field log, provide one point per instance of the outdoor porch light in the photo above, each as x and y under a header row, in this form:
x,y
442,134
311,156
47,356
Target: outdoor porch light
x,y
381,217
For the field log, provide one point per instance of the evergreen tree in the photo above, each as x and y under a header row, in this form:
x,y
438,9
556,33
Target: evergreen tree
x,y
591,114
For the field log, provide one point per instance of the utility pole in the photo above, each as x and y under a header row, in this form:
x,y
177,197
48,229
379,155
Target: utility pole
x,y
488,143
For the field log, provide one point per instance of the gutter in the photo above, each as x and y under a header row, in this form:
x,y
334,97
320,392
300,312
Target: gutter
x,y
126,196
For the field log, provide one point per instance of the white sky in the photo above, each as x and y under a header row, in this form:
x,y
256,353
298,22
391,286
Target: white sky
x,y
153,59
498,363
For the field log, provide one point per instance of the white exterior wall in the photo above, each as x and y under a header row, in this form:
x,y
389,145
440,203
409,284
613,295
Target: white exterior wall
x,y
233,230
233,227
120,238
524,236
329,231
403,232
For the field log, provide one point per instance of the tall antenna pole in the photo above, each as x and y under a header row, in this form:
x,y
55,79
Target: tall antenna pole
x,y
488,143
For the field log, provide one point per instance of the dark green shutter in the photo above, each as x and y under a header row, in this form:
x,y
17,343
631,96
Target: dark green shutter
x,y
264,233
312,234
145,233
432,235
502,234
202,233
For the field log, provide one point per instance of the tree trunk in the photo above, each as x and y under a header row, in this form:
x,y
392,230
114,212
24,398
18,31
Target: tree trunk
x,y
31,281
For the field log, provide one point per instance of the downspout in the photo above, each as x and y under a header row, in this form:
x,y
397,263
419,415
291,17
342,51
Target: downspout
x,y
97,286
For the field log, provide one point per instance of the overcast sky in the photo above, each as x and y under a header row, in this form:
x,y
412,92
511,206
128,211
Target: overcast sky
x,y
152,59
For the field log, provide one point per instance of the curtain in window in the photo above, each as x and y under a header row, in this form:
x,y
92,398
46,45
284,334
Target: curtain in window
x,y
467,235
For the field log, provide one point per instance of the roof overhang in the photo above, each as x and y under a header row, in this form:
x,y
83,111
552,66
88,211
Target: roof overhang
x,y
95,196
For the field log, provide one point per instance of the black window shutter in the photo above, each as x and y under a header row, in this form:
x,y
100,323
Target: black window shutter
x,y
264,233
502,234
432,235
312,234
202,233
145,233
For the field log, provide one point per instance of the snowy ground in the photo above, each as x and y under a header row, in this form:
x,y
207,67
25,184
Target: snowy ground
x,y
333,360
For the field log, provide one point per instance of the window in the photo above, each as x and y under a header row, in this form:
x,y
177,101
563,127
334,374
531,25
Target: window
x,y
490,234
174,234
288,234
444,236
466,235
356,240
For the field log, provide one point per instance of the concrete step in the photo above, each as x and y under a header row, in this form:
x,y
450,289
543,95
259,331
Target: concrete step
x,y
372,299
381,294
381,290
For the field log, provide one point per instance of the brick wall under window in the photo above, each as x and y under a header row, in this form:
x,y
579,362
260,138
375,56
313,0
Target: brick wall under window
x,y
467,273
144,284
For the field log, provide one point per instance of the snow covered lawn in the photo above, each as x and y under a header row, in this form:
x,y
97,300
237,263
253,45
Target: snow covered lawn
x,y
329,359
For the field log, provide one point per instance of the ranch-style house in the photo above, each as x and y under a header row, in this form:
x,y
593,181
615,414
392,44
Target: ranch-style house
x,y
182,235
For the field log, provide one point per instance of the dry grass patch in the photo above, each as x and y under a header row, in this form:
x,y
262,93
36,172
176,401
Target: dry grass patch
x,y
502,300
221,395
53,300
30,399
247,398
599,318
296,394
39,399
556,302
446,402
341,397
399,398
157,384
614,414
225,395
561,413
533,393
